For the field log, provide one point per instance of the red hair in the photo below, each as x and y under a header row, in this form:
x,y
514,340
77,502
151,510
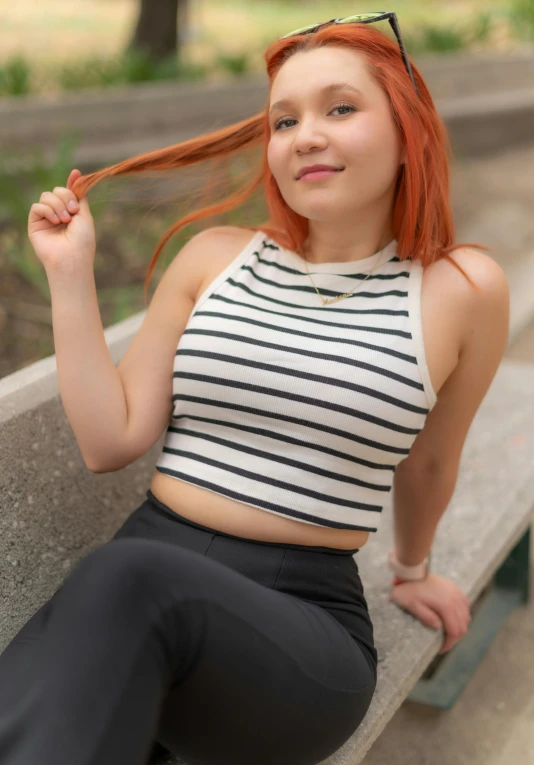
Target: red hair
x,y
422,218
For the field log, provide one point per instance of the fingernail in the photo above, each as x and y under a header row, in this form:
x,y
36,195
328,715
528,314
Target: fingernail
x,y
72,205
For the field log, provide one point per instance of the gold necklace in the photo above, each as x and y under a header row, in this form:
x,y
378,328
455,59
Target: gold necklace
x,y
328,301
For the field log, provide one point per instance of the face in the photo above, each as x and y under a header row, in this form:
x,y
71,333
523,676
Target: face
x,y
354,132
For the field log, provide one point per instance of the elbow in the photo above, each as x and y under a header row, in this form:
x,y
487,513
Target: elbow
x,y
430,468
104,469
94,468
111,466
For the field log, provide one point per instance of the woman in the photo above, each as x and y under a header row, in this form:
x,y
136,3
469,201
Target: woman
x,y
226,619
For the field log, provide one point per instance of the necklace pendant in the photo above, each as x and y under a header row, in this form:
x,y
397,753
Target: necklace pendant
x,y
328,301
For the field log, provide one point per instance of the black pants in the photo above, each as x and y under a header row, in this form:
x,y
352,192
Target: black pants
x,y
226,651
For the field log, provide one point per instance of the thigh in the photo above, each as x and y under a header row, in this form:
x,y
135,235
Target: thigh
x,y
264,678
19,659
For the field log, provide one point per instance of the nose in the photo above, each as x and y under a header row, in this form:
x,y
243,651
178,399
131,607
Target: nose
x,y
307,137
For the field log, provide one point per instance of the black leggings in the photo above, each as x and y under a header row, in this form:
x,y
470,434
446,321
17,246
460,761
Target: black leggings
x,y
225,650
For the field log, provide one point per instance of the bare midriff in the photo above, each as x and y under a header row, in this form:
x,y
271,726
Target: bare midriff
x,y
225,514
240,519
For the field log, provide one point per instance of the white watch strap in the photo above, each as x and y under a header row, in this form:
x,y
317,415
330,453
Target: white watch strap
x,y
410,573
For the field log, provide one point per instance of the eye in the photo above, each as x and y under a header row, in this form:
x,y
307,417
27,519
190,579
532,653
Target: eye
x,y
339,106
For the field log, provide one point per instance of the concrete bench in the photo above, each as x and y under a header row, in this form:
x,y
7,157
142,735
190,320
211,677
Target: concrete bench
x,y
54,511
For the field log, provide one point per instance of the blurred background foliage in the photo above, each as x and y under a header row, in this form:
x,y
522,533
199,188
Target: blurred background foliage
x,y
59,46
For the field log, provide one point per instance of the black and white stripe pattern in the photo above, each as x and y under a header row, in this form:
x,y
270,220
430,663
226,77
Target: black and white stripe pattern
x,y
297,408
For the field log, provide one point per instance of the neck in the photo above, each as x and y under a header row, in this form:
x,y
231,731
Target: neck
x,y
348,254
325,246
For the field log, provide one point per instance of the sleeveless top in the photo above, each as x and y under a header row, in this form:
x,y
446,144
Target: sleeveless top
x,y
296,408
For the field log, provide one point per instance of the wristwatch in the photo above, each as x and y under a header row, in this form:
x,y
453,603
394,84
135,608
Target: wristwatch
x,y
408,573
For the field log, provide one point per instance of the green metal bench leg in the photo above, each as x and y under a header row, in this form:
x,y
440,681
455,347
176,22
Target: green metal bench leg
x,y
447,676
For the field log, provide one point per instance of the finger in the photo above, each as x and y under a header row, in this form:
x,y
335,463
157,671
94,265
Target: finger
x,y
450,641
40,211
454,623
69,198
426,615
464,611
465,616
73,176
83,204
57,204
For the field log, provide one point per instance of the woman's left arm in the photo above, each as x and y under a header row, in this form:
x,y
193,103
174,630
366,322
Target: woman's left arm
x,y
425,481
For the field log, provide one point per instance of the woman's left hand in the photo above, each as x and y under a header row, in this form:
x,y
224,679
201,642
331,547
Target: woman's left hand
x,y
438,602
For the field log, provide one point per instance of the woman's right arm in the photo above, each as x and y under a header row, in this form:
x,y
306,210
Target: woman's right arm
x,y
116,413
89,384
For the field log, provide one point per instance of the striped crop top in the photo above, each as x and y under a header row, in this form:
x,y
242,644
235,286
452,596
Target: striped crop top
x,y
300,409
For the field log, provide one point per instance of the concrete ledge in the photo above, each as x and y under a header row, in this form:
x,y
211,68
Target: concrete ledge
x,y
54,512
483,124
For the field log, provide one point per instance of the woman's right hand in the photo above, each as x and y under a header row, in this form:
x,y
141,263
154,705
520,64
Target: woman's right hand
x,y
62,242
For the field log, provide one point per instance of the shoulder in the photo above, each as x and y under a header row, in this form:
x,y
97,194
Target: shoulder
x,y
204,251
226,236
480,267
207,254
487,306
488,300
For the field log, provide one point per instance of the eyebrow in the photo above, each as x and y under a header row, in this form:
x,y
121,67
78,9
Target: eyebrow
x,y
332,88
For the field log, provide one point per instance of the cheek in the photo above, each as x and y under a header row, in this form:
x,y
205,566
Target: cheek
x,y
381,138
274,158
372,154
362,139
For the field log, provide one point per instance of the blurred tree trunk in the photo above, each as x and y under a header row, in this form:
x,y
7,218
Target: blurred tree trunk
x,y
161,26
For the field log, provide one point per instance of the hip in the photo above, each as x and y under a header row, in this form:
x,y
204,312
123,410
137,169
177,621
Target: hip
x,y
322,577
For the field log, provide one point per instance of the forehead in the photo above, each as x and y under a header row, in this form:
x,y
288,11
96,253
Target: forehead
x,y
307,71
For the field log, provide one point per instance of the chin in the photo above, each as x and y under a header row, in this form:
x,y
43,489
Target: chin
x,y
320,213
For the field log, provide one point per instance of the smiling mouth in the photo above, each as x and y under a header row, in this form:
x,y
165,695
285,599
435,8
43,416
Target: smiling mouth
x,y
329,170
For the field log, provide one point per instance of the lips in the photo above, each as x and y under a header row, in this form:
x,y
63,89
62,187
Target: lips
x,y
316,168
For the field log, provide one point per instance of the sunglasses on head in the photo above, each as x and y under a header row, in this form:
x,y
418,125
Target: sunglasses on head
x,y
364,18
